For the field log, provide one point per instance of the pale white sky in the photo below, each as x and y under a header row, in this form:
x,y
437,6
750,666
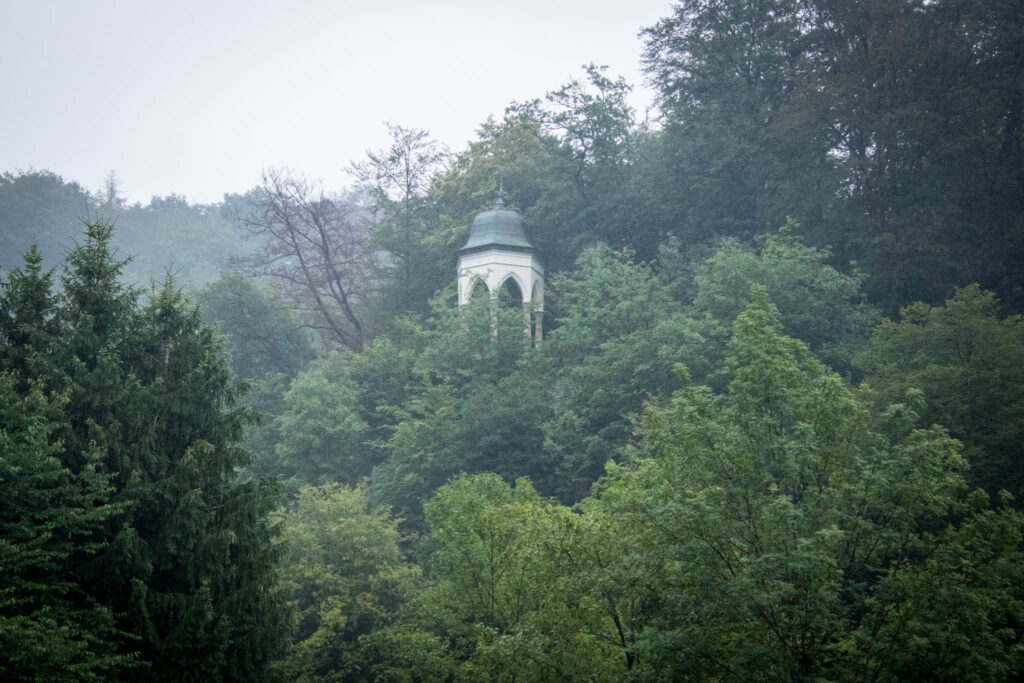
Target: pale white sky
x,y
196,97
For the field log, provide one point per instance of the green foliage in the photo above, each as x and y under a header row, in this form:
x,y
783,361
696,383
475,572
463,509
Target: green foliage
x,y
929,167
969,364
422,452
784,529
398,181
49,628
770,525
819,305
383,371
346,579
472,345
956,614
38,207
889,130
795,541
466,410
620,334
169,234
261,333
320,434
508,597
184,560
598,152
265,397
518,150
27,326
569,163
726,73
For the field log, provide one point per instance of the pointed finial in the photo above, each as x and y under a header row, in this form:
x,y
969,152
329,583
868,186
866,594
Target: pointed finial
x,y
500,204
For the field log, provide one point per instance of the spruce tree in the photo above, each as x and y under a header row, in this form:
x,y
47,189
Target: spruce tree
x,y
185,558
49,628
27,326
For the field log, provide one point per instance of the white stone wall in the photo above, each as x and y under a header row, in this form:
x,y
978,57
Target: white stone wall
x,y
494,266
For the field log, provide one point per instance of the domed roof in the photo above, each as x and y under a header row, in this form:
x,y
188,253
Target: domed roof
x,y
498,227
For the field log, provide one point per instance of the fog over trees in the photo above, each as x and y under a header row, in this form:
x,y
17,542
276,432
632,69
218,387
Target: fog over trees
x,y
773,430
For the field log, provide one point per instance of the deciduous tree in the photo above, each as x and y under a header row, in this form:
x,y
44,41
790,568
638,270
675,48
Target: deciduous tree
x,y
510,593
261,333
405,218
969,364
320,433
315,248
346,578
798,542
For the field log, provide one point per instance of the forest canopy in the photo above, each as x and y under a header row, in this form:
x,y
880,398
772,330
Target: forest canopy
x,y
773,428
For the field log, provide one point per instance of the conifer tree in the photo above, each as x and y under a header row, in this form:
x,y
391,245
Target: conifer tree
x,y
185,559
27,326
49,628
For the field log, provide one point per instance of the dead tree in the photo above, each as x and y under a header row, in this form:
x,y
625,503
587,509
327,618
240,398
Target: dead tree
x,y
314,247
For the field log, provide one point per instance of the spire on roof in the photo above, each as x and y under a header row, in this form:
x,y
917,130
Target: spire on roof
x,y
500,204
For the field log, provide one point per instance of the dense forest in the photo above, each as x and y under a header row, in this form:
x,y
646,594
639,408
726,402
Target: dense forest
x,y
773,431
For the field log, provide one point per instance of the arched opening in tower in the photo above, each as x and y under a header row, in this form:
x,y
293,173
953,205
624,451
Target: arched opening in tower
x,y
479,291
510,294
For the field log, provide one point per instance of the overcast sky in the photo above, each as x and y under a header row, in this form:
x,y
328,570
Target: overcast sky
x,y
196,97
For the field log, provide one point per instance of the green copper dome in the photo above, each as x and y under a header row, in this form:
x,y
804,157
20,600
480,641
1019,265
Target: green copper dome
x,y
497,228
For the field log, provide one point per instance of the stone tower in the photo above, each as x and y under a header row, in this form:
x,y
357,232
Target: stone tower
x,y
497,256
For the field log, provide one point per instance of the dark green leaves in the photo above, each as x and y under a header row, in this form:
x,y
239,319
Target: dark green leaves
x,y
121,471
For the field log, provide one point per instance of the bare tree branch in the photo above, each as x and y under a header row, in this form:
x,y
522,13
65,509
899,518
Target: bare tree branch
x,y
315,248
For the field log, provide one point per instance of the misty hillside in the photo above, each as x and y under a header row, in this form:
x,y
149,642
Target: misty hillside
x,y
766,423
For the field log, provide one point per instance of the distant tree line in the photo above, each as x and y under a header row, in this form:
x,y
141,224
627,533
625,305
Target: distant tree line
x,y
169,234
